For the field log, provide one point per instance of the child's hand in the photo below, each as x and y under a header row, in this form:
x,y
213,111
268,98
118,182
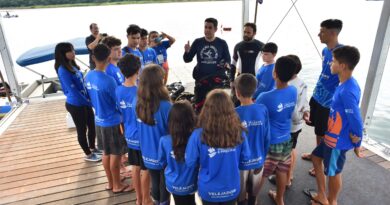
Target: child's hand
x,y
355,139
306,117
358,152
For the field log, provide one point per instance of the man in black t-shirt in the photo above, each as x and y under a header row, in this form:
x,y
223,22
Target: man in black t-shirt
x,y
92,41
247,53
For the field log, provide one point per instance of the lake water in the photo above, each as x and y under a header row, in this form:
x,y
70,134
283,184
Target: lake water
x,y
184,21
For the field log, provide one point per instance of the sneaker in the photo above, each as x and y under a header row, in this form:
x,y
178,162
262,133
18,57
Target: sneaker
x,y
92,158
97,151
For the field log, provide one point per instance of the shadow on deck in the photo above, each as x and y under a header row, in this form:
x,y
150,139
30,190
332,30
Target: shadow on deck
x,y
42,163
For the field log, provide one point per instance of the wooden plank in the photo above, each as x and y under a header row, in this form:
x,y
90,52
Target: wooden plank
x,y
54,184
79,165
43,139
29,181
44,157
367,153
377,159
13,149
112,199
36,148
32,135
39,163
17,158
58,192
44,168
385,164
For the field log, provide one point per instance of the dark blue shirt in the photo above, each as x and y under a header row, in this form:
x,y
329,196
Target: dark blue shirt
x,y
211,56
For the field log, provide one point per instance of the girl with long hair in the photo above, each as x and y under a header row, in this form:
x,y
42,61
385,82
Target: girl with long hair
x,y
180,179
77,101
220,147
152,110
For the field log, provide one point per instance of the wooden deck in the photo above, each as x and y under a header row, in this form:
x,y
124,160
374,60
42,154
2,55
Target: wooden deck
x,y
42,162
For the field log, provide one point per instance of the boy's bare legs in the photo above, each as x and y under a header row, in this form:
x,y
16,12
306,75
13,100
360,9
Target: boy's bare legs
x,y
335,184
281,181
145,186
115,161
106,165
290,173
136,172
320,178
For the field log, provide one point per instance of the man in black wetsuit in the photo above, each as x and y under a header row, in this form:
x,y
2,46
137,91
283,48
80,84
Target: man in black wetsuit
x,y
247,53
213,57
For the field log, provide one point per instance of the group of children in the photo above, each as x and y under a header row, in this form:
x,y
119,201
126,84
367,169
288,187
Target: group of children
x,y
226,153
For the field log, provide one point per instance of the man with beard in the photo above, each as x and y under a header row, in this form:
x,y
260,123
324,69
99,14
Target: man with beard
x,y
246,55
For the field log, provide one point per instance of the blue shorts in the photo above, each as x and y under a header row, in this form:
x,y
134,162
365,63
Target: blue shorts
x,y
334,159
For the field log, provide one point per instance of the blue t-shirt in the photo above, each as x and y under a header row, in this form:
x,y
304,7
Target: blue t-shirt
x,y
344,116
161,52
254,118
327,82
149,135
180,179
211,56
149,56
126,99
280,104
116,73
135,52
219,173
73,87
265,81
101,89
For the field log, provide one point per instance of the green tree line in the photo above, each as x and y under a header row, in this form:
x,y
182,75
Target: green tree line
x,y
37,3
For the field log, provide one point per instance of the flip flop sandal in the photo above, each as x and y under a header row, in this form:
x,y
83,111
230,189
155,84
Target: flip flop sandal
x,y
306,156
311,193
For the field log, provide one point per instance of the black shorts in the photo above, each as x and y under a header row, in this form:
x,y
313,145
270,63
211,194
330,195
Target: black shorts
x,y
319,117
294,138
135,158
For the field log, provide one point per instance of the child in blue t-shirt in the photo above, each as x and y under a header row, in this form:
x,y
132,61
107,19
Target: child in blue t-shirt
x,y
114,44
254,117
280,103
219,146
126,96
345,127
265,81
149,54
153,106
180,179
101,89
161,46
